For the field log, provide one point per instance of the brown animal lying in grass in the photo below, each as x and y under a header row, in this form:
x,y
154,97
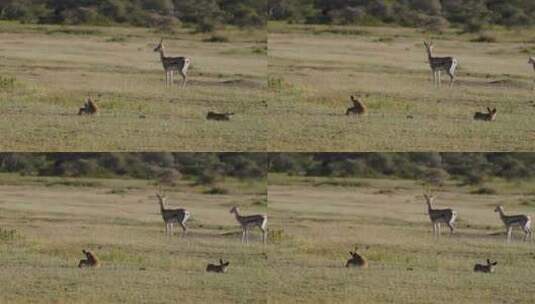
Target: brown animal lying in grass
x,y
358,107
221,268
90,107
490,267
218,116
91,260
356,260
490,116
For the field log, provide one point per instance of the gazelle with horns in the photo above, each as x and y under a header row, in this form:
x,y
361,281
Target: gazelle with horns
x,y
521,220
172,64
172,216
250,221
438,216
439,64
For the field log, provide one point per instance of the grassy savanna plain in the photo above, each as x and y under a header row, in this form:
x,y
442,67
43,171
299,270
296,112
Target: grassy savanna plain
x,y
315,68
318,220
55,68
55,218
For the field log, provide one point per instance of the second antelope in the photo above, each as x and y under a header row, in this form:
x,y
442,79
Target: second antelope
x,y
439,64
172,216
438,216
250,221
523,221
172,64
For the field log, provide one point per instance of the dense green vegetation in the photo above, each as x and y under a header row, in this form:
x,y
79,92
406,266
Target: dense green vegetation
x,y
472,168
206,15
167,167
472,15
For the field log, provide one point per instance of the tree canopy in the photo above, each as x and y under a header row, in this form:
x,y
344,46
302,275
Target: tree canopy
x,y
199,166
206,14
470,14
470,167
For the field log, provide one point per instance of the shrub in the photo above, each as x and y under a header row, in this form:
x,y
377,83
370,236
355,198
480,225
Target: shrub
x,y
485,37
436,24
207,177
216,38
484,190
216,191
7,83
8,235
168,176
435,176
277,236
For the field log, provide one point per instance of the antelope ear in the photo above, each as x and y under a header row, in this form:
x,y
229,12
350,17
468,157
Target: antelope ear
x,y
220,261
488,261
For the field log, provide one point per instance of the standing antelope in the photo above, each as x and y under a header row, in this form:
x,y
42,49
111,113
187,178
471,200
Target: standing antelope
x,y
171,64
531,61
439,216
521,220
172,216
439,64
249,221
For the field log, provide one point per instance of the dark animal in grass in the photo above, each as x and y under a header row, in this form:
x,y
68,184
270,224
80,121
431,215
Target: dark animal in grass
x,y
219,116
358,107
489,268
489,116
90,107
91,260
356,260
221,268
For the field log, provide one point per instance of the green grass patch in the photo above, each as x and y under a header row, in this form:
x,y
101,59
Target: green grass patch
x,y
8,235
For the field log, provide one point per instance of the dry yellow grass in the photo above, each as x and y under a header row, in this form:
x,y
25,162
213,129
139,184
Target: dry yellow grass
x,y
57,67
120,222
315,69
321,223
